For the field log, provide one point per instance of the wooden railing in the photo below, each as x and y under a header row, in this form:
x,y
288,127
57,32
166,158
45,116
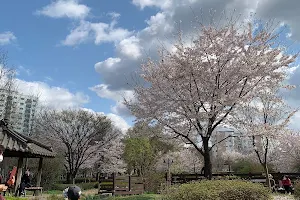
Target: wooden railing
x,y
121,185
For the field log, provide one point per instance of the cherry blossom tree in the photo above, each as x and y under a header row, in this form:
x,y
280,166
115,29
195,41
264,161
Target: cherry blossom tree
x,y
194,88
265,120
184,160
77,134
229,158
110,158
288,152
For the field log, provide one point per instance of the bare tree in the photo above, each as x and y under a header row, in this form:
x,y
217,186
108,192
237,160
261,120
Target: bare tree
x,y
195,87
78,134
7,86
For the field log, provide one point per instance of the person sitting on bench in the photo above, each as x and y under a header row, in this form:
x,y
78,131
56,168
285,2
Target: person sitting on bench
x,y
25,182
287,184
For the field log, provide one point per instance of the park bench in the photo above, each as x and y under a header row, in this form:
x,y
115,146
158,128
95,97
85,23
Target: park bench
x,y
34,189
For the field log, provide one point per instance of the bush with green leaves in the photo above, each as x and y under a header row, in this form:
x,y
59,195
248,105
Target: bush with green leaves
x,y
217,190
83,186
297,190
153,181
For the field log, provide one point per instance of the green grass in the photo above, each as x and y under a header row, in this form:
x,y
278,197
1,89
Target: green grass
x,y
15,198
138,197
53,192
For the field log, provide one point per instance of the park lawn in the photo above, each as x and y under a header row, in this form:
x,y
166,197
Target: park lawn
x,y
138,197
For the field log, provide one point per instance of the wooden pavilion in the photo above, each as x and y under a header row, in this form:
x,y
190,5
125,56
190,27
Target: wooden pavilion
x,y
14,144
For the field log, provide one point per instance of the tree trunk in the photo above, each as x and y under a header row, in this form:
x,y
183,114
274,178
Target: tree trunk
x,y
207,159
267,175
69,180
73,178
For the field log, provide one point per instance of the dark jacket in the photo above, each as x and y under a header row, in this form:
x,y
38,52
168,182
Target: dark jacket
x,y
25,179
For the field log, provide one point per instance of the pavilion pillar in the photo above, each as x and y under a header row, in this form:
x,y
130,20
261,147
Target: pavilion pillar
x,y
26,164
19,174
39,175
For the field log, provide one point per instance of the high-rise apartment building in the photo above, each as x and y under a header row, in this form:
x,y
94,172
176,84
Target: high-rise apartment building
x,y
19,109
235,141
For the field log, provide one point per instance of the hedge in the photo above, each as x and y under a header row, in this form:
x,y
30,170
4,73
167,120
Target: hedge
x,y
297,190
83,186
217,190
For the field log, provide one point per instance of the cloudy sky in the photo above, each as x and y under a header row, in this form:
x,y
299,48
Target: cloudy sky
x,y
83,53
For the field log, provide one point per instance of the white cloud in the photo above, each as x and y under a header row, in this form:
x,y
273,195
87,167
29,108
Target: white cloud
x,y
118,96
99,32
121,109
157,3
53,97
159,24
103,91
130,47
84,30
107,65
65,8
78,35
108,32
119,122
294,123
7,38
114,15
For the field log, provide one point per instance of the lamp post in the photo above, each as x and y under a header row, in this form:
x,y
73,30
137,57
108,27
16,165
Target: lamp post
x,y
169,162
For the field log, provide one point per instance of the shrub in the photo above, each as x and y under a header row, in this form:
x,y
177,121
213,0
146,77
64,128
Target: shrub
x,y
84,180
217,190
297,189
153,182
83,186
245,166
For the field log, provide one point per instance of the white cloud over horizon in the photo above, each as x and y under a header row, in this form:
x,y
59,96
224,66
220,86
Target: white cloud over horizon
x,y
50,96
61,98
117,120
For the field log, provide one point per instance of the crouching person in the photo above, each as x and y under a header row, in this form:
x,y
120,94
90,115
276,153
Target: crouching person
x,y
72,193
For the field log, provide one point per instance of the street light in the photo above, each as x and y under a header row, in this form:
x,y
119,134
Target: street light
x,y
169,162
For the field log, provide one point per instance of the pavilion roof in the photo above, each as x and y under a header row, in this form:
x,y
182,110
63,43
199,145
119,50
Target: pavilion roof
x,y
16,144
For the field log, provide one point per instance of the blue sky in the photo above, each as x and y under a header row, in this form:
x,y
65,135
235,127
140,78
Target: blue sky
x,y
83,53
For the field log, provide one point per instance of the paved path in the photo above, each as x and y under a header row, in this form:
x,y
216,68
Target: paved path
x,y
283,197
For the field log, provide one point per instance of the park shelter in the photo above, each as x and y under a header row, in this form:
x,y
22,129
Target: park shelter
x,y
14,144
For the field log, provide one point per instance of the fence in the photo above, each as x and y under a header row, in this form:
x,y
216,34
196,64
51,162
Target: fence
x,y
121,185
184,178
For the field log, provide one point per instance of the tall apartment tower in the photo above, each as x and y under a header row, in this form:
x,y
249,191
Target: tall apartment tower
x,y
19,109
236,143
